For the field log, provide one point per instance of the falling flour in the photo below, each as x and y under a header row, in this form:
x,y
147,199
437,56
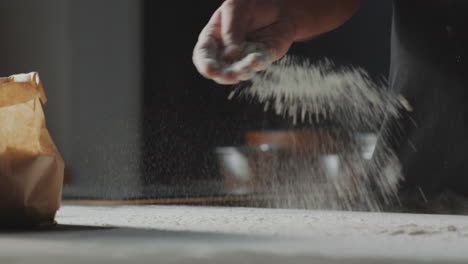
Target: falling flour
x,y
340,177
302,91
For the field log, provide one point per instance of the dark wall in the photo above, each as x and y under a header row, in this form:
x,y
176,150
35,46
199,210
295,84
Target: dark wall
x,y
363,41
35,37
186,116
89,56
106,98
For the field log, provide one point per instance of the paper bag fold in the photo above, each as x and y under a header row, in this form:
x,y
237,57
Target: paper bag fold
x,y
31,168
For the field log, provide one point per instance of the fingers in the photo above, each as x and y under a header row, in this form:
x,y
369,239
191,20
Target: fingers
x,y
205,58
249,66
222,52
235,15
277,37
275,40
205,53
219,44
254,58
243,69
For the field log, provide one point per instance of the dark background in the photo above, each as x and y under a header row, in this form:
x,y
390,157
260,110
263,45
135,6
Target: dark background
x,y
186,116
127,109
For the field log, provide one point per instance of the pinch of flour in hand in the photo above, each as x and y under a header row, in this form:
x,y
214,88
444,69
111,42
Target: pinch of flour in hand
x,y
254,57
224,81
211,66
246,76
245,64
231,51
207,50
245,69
263,64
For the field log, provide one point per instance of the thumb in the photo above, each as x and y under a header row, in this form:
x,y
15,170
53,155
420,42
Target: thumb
x,y
277,37
235,16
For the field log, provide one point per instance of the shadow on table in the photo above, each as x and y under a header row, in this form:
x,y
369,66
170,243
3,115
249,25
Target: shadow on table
x,y
78,233
92,244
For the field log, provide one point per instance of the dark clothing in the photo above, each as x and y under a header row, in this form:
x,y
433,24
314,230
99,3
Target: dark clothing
x,y
430,68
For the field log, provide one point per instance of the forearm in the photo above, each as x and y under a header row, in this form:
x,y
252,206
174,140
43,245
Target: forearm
x,y
314,17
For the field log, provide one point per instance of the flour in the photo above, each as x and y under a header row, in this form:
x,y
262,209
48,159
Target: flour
x,y
354,103
303,91
418,230
253,58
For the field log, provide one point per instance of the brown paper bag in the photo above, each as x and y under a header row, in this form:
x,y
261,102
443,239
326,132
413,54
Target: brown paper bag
x,y
31,168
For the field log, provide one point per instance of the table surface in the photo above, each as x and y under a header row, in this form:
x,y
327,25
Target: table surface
x,y
183,234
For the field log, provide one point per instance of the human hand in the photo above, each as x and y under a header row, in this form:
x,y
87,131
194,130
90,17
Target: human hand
x,y
242,38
